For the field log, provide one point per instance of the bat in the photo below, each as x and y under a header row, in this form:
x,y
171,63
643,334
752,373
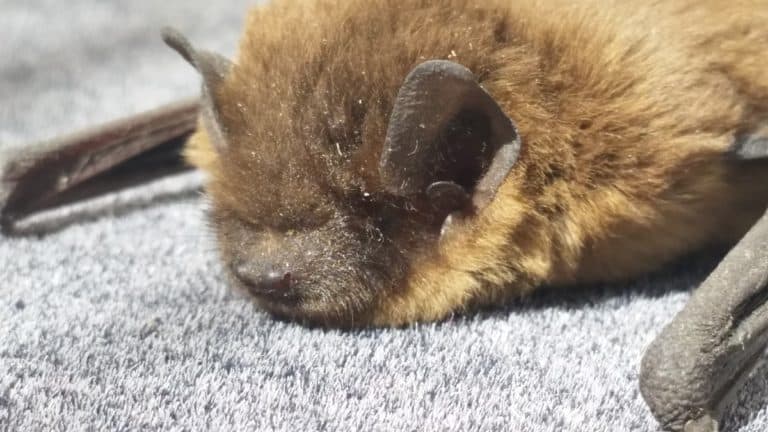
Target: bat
x,y
377,163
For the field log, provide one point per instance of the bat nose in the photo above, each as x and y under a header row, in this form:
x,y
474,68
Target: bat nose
x,y
276,281
261,283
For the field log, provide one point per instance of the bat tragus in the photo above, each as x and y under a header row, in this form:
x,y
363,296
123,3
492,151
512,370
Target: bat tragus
x,y
381,163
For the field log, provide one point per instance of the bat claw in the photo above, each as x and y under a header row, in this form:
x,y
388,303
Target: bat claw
x,y
704,423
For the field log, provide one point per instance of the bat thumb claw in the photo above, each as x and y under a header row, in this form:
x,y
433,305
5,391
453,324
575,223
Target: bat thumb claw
x,y
705,423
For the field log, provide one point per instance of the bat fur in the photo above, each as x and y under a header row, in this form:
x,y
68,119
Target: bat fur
x,y
628,112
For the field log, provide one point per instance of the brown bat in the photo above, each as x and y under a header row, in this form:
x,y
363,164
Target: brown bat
x,y
381,163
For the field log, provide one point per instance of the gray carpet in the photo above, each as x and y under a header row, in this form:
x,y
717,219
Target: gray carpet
x,y
121,320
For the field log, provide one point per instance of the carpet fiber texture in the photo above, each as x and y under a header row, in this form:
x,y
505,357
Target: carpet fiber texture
x,y
122,321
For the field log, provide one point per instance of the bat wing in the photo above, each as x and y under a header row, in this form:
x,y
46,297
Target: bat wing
x,y
112,156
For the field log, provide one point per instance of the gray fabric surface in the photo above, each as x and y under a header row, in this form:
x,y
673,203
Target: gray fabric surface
x,y
122,320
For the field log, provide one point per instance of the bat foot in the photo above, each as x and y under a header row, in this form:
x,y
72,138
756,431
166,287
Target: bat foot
x,y
692,371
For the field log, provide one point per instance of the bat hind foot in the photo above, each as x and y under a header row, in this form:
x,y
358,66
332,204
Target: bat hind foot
x,y
692,371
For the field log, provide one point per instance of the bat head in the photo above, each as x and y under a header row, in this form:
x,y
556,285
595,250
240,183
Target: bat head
x,y
321,210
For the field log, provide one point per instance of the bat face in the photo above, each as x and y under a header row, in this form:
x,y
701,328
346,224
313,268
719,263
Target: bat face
x,y
330,182
331,271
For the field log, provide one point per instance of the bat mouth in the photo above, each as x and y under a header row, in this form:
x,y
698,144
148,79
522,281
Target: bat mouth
x,y
281,298
277,296
309,304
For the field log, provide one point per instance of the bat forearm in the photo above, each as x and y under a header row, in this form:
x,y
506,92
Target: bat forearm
x,y
44,175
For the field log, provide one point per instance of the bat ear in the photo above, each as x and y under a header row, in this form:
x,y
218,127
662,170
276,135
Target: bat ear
x,y
448,139
213,68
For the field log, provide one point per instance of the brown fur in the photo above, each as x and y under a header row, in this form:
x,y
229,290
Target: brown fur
x,y
626,111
